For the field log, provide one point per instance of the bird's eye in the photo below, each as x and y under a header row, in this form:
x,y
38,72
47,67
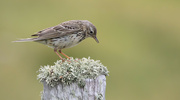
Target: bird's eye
x,y
91,32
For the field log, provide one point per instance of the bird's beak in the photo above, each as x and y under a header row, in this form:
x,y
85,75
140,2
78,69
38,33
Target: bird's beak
x,y
95,38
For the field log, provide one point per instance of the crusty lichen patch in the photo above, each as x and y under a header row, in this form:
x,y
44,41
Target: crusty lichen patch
x,y
72,70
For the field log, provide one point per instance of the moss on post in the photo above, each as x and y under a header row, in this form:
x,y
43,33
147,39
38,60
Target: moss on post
x,y
85,76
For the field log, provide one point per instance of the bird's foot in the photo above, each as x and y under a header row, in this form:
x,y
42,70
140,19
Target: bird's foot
x,y
63,60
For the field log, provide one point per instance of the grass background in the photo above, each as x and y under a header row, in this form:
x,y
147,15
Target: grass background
x,y
139,43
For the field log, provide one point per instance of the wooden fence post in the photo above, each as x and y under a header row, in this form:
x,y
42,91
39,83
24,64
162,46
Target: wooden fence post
x,y
94,89
74,79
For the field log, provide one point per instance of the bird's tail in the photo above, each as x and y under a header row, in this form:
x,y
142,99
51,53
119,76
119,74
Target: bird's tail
x,y
27,40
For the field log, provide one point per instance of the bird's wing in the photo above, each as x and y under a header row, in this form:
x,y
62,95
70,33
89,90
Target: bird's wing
x,y
58,31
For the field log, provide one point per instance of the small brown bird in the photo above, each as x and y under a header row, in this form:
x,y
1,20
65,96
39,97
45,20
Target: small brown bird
x,y
64,35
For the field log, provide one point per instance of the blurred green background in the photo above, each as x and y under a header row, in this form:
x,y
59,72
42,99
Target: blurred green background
x,y
139,43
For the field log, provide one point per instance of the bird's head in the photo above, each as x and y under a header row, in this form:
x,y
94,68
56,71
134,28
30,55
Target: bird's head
x,y
91,30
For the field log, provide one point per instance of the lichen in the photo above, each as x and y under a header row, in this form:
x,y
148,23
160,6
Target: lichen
x,y
99,97
71,70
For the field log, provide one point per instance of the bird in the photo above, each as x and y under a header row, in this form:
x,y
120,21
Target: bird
x,y
65,35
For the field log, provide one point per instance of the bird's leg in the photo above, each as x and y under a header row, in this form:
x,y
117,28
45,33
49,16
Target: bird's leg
x,y
55,50
64,54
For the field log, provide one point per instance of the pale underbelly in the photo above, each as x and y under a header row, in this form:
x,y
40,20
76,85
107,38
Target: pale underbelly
x,y
63,42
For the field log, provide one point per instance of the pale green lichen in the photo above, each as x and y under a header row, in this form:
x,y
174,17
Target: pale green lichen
x,y
71,70
99,97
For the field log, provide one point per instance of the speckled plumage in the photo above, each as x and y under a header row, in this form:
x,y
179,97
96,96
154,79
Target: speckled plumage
x,y
65,35
63,42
